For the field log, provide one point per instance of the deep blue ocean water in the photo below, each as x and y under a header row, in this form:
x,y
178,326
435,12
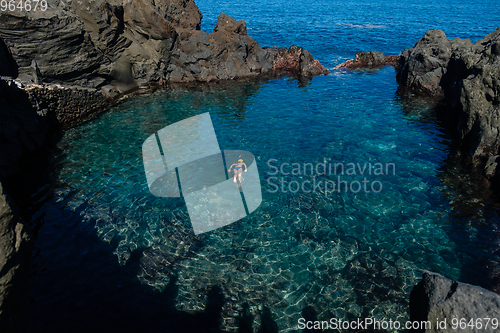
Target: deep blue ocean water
x,y
109,256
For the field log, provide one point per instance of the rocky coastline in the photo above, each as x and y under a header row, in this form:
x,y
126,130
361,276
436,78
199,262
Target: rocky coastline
x,y
465,77
117,48
463,80
140,42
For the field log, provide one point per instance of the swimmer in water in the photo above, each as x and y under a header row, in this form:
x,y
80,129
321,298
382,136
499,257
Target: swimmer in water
x,y
238,170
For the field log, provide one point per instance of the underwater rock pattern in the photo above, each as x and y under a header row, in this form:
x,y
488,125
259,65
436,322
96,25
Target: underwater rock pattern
x,y
344,254
311,256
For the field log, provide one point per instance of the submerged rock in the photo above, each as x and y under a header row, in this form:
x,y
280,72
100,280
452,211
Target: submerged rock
x,y
439,300
466,77
368,59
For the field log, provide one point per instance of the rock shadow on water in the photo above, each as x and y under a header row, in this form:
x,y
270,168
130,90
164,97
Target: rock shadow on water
x,y
94,293
245,320
268,325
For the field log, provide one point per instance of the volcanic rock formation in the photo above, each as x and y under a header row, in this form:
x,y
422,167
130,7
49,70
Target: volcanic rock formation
x,y
466,77
368,59
453,305
90,43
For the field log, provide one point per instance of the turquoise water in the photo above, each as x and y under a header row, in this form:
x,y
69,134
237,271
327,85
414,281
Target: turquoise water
x,y
109,254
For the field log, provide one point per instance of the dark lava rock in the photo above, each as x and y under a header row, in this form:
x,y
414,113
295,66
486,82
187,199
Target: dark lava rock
x,y
368,59
15,254
295,60
26,117
55,39
437,298
36,74
22,128
467,77
77,41
229,53
422,67
147,40
183,13
8,66
310,66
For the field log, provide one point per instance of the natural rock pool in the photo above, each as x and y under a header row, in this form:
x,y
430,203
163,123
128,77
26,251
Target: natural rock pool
x,y
351,254
109,254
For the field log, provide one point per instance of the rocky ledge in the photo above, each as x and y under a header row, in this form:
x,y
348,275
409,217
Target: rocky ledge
x,y
449,306
368,59
466,77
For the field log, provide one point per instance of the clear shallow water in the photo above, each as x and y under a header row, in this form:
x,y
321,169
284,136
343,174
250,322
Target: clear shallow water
x,y
110,255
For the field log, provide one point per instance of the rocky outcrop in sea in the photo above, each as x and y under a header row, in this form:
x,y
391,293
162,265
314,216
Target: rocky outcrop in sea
x,y
466,77
463,76
368,59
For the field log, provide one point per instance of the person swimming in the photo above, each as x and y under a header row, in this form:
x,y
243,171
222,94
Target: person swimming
x,y
238,170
